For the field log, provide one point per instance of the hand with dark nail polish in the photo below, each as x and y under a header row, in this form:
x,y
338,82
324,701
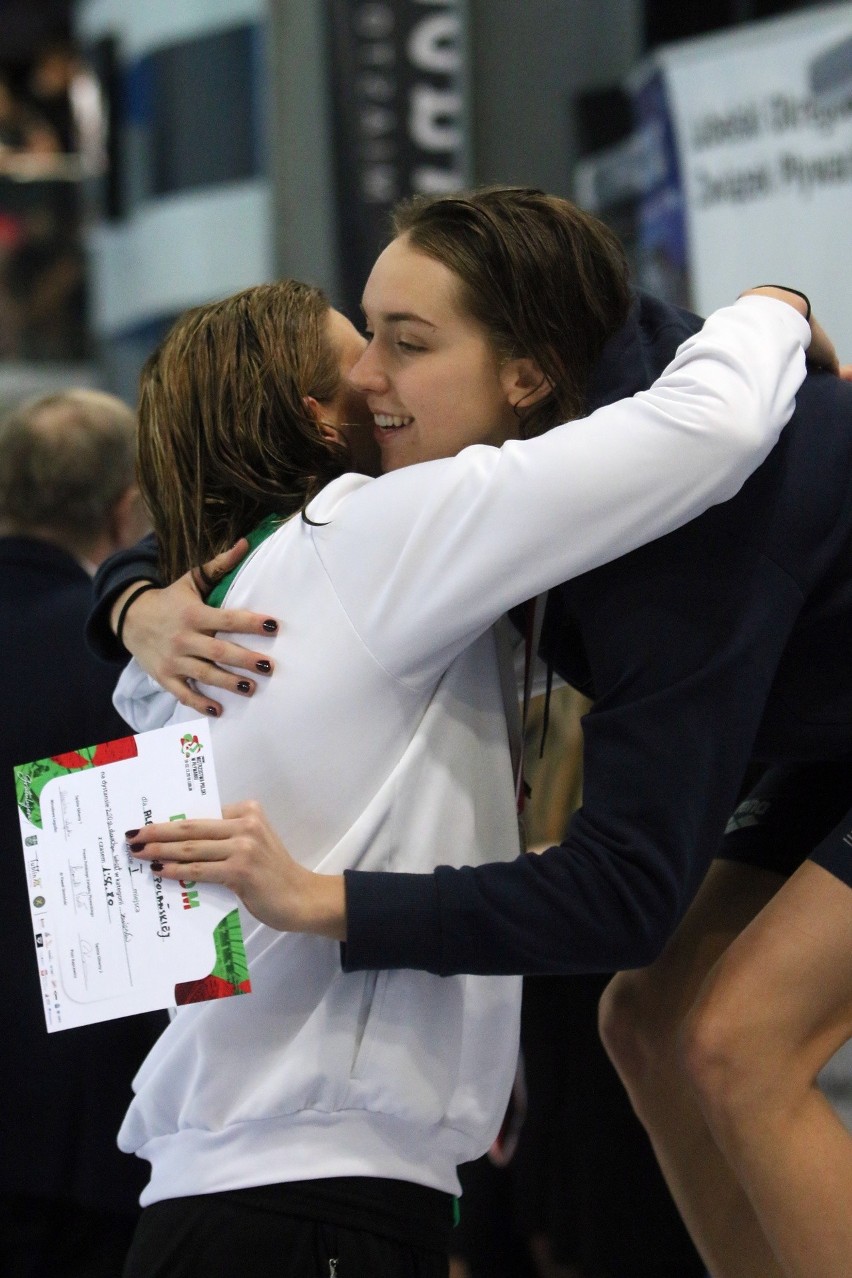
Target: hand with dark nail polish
x,y
263,666
213,712
130,834
156,866
270,626
244,686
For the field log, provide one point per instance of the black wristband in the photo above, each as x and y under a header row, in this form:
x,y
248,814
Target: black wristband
x,y
134,595
787,289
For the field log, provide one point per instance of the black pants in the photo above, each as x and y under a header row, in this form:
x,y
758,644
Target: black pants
x,y
239,1235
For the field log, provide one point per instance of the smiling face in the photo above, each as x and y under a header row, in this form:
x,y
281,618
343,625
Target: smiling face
x,y
431,378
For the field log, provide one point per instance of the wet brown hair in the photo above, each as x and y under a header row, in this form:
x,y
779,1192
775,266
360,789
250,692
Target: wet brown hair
x,y
225,437
545,279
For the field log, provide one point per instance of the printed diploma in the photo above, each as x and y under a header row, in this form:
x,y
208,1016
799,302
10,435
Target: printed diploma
x,y
111,936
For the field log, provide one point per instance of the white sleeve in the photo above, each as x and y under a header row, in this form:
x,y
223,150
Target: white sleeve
x,y
425,558
140,701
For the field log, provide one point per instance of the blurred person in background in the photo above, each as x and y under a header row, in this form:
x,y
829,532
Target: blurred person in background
x,y
23,130
51,127
68,1197
50,87
42,278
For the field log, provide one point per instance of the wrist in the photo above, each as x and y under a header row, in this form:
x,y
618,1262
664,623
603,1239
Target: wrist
x,y
324,907
123,603
792,296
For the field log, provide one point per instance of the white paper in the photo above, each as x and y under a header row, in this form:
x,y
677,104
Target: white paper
x,y
112,937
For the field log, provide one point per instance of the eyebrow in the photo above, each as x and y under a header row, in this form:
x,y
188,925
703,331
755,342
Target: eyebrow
x,y
402,317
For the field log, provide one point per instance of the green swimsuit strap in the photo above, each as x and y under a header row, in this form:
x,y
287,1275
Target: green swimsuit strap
x,y
263,530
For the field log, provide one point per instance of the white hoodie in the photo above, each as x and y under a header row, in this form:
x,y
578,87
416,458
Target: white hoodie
x,y
381,743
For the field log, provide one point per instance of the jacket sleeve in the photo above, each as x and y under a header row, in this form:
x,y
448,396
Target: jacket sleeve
x,y
683,642
455,543
139,563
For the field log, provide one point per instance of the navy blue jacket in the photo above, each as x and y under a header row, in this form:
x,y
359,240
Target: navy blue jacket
x,y
725,641
64,1094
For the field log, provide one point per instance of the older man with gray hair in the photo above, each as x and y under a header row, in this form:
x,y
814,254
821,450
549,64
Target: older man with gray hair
x,y
68,1197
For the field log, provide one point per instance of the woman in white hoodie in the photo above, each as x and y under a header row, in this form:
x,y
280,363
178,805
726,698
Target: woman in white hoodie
x,y
315,1126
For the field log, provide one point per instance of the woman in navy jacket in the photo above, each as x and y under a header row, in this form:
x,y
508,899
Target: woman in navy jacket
x,y
724,643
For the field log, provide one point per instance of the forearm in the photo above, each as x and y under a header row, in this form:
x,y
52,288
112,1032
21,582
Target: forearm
x,y
665,750
540,914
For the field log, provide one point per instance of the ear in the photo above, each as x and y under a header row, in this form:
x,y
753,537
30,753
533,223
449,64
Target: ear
x,y
326,429
313,406
523,382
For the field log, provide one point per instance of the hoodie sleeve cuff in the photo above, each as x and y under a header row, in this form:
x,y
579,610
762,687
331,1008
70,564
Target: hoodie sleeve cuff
x,y
392,921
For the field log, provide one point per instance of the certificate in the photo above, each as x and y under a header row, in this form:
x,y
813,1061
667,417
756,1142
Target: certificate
x,y
112,937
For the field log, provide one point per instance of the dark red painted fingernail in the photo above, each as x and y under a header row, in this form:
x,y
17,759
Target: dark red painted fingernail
x,y
263,666
136,847
156,866
270,626
212,711
130,834
244,686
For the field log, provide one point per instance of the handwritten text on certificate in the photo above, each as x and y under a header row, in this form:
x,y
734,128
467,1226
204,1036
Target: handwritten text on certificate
x,y
112,937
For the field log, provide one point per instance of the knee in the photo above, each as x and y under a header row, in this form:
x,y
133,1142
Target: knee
x,y
618,1022
722,1059
635,1029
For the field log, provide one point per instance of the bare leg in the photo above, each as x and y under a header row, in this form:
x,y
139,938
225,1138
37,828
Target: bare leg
x,y
776,1008
642,1015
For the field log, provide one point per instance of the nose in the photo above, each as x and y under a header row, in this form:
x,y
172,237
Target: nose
x,y
366,374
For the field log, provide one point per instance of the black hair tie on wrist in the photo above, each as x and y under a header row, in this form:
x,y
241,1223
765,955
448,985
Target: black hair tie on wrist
x,y
798,293
131,598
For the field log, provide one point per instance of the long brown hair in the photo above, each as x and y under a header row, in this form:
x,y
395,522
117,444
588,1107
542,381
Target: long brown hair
x,y
225,437
545,279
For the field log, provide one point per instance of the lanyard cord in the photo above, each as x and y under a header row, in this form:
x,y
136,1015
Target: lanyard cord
x,y
533,619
